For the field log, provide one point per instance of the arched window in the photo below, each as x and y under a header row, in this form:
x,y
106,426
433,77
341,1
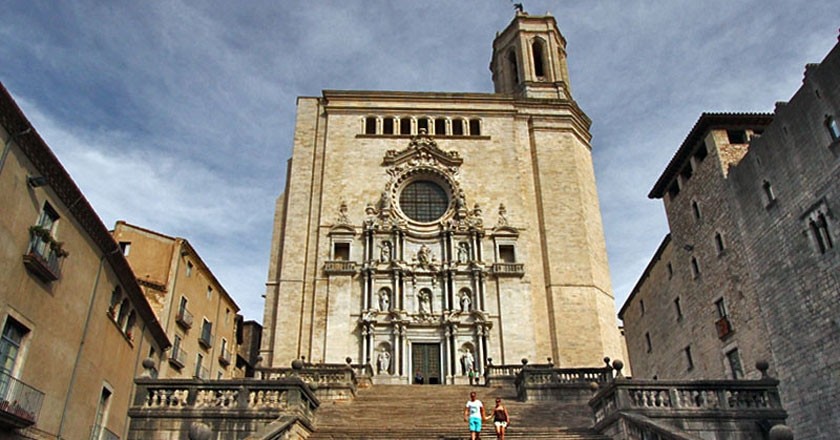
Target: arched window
x,y
832,127
424,201
475,127
388,126
116,296
457,127
129,324
405,125
125,307
514,68
537,53
370,125
440,127
423,124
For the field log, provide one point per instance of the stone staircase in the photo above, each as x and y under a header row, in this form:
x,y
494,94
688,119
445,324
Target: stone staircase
x,y
409,412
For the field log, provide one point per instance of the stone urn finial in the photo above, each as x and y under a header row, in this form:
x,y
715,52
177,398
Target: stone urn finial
x,y
781,432
618,365
762,366
199,431
524,361
297,364
348,360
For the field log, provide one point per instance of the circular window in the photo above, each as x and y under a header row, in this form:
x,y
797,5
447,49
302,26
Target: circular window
x,y
423,201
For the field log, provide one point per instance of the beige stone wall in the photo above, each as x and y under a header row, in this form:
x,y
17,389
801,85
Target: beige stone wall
x,y
73,347
174,265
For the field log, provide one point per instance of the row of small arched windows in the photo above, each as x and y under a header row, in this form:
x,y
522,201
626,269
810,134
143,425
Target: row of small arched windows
x,y
122,313
410,125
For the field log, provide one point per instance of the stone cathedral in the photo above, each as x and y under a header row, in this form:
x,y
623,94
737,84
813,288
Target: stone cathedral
x,y
435,233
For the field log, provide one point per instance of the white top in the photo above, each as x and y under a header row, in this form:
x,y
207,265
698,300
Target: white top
x,y
475,408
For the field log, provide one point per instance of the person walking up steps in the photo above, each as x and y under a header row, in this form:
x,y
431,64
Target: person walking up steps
x,y
474,414
501,419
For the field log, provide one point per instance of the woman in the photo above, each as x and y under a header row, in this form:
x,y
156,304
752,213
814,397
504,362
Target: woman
x,y
501,419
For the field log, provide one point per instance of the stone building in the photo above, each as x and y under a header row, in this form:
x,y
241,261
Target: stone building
x,y
195,310
76,330
750,268
433,232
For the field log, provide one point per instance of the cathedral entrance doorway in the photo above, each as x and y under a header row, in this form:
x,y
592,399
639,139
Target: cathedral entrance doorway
x,y
425,358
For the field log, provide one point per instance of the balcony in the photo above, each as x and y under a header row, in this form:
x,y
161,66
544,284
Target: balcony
x,y
724,327
178,357
508,269
19,403
340,267
41,259
202,373
225,357
206,339
184,318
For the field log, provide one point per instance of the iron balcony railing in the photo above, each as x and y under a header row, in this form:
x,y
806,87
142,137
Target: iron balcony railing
x,y
206,339
178,357
41,258
19,402
100,432
184,318
225,357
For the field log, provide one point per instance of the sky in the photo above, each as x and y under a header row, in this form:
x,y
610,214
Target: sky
x,y
178,116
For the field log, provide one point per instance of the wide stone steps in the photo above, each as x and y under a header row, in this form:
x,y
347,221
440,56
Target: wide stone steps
x,y
436,412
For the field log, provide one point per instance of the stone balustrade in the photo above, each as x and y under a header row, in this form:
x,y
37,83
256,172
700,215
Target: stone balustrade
x,y
544,382
237,407
747,405
340,267
328,381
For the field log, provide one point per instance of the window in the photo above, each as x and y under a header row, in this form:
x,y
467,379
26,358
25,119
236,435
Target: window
x,y
722,325
422,125
405,125
720,305
695,268
116,297
695,208
769,196
674,189
514,68
122,316
687,171
475,127
424,201
199,369
701,152
678,309
737,136
440,127
370,125
832,127
507,253
719,243
648,345
189,269
206,337
388,126
818,229
101,415
642,306
125,246
10,345
537,51
129,325
689,360
44,251
670,269
735,367
341,251
458,127
209,292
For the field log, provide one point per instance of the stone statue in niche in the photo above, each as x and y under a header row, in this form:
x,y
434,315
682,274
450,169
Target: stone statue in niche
x,y
463,252
460,202
385,252
424,255
385,202
342,218
370,215
383,361
467,361
466,301
425,301
384,300
503,221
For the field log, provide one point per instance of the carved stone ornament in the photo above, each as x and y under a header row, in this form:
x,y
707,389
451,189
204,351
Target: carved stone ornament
x,y
503,221
342,218
423,150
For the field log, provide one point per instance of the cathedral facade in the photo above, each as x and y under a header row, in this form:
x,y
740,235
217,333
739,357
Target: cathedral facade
x,y
430,234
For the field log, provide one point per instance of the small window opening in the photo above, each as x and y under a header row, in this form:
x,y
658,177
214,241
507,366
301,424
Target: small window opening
x,y
701,152
423,124
189,268
687,171
514,68
537,50
819,231
769,196
689,359
506,253
670,271
475,127
458,127
642,306
648,345
341,251
370,125
719,243
720,306
388,126
440,127
737,136
674,189
695,268
832,127
405,125
735,367
125,247
695,208
678,309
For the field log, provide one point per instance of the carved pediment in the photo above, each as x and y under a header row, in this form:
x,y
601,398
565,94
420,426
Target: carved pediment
x,y
423,150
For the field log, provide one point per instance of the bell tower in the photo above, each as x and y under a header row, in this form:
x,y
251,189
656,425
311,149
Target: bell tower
x,y
529,59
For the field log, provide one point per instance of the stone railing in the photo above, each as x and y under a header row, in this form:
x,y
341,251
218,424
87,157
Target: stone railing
x,y
340,267
20,404
508,269
543,382
328,381
235,408
624,406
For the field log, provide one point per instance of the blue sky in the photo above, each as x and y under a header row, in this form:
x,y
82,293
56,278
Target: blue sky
x,y
178,116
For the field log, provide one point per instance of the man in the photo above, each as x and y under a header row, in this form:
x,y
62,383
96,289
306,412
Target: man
x,y
474,414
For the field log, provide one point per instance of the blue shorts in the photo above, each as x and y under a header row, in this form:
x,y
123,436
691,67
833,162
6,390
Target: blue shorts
x,y
475,424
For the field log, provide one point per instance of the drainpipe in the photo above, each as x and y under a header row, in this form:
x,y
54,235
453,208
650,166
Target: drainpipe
x,y
81,344
8,143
